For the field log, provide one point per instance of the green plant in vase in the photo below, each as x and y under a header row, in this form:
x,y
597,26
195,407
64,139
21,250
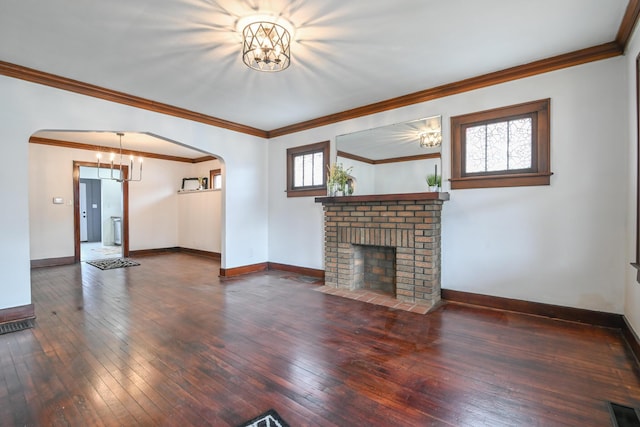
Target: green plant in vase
x,y
337,178
434,182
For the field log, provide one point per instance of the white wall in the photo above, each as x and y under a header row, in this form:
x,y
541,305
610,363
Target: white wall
x,y
153,205
632,288
26,108
559,244
199,213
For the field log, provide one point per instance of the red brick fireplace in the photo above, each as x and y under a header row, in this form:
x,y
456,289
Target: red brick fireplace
x,y
389,243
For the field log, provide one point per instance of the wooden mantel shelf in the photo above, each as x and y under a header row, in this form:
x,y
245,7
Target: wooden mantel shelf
x,y
384,198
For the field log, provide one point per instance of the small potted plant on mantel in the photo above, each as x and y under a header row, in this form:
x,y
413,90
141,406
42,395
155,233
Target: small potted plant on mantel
x,y
337,179
434,182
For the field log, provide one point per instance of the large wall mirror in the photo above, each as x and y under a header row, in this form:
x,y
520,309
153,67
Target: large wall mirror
x,y
392,159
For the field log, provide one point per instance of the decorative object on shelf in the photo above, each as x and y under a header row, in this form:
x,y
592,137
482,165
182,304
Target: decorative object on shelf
x,y
204,183
351,186
194,184
266,42
119,166
434,181
337,180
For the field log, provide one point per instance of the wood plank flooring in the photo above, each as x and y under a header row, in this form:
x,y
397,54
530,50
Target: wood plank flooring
x,y
167,343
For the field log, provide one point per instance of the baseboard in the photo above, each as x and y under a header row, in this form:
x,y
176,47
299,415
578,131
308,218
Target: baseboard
x,y
159,251
15,314
631,338
591,317
198,252
304,271
245,269
52,262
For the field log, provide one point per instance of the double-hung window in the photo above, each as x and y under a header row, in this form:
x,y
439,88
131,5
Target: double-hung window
x,y
307,170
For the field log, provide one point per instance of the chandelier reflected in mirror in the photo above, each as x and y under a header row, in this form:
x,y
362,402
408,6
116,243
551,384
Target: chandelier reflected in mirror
x,y
266,45
430,139
116,172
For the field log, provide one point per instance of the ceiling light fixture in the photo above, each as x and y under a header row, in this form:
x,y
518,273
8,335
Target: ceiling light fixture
x,y
120,175
266,45
430,139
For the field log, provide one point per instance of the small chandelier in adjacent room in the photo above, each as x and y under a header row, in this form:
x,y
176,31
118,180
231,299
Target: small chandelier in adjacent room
x,y
119,173
266,45
430,139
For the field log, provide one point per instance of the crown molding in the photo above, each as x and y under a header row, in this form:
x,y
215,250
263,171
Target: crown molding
x,y
90,147
628,23
52,80
388,160
582,56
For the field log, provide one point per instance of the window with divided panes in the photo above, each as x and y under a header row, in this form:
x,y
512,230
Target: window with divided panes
x,y
307,169
504,147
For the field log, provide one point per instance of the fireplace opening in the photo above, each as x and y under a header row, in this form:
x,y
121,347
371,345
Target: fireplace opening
x,y
374,268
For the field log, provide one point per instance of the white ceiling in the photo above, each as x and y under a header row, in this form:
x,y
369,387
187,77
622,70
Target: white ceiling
x,y
346,54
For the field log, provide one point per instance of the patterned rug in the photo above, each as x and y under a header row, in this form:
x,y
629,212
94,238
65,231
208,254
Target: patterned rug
x,y
108,264
268,419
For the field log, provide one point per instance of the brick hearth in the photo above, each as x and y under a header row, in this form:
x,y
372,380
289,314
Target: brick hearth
x,y
376,227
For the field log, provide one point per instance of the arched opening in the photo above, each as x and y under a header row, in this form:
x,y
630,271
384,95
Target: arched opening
x,y
158,212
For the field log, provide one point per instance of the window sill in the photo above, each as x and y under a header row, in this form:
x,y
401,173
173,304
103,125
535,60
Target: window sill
x,y
314,192
493,181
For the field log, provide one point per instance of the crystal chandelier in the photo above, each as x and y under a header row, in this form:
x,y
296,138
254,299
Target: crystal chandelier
x,y
118,167
266,46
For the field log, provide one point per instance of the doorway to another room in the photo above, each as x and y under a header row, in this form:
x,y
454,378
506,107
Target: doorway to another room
x,y
99,213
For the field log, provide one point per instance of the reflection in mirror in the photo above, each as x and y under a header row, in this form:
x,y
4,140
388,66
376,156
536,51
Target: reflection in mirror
x,y
393,159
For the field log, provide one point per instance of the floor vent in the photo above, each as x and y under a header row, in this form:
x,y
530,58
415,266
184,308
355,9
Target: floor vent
x,y
624,416
18,325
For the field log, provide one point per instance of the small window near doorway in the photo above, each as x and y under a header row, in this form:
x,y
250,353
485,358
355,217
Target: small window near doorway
x,y
215,178
307,167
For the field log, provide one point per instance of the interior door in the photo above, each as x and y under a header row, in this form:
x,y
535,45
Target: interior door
x,y
83,211
92,209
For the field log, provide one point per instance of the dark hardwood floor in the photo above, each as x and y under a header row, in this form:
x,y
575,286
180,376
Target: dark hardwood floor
x,y
168,343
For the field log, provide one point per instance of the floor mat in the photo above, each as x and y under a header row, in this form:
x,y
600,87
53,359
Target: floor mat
x,y
108,264
268,419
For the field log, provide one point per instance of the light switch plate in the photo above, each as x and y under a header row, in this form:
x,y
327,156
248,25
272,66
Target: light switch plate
x,y
58,201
